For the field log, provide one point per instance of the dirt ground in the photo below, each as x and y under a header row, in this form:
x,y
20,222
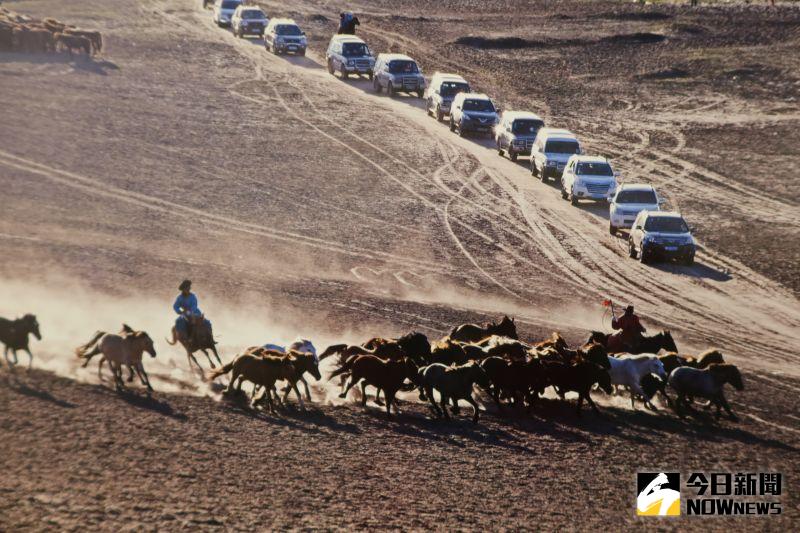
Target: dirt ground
x,y
302,205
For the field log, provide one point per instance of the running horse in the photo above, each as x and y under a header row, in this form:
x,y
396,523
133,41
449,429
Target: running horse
x,y
475,333
661,340
201,338
14,335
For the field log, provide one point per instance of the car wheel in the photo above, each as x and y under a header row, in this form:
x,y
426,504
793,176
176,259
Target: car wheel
x,y
612,229
452,124
343,73
689,260
370,75
512,155
376,85
631,250
330,67
439,114
573,199
460,130
390,89
564,195
420,93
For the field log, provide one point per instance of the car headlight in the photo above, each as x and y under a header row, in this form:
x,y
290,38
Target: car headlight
x,y
350,63
550,163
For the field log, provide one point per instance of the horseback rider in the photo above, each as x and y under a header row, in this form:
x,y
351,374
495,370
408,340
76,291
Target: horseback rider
x,y
630,334
347,23
186,307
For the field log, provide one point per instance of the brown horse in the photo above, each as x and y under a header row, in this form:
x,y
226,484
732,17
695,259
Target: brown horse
x,y
94,37
120,350
475,333
578,377
262,371
448,352
414,345
387,376
522,381
303,361
72,43
14,335
201,338
453,383
556,342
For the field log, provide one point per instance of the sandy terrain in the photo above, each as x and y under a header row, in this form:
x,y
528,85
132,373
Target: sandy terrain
x,y
302,205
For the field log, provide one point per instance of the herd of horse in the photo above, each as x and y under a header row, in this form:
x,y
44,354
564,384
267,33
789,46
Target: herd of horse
x,y
24,34
490,357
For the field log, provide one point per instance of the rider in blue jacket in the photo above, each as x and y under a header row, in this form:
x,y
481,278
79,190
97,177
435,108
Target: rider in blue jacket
x,y
185,306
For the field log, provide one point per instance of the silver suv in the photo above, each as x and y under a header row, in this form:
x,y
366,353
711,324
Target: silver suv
x,y
550,152
473,112
248,20
347,54
284,36
516,133
630,200
398,72
440,93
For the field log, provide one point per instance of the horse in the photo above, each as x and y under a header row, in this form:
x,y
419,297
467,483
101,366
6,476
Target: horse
x,y
652,385
506,347
556,341
453,383
578,377
120,350
447,352
515,379
304,362
201,338
474,333
706,359
414,345
653,344
629,371
387,376
94,37
72,42
705,383
14,335
263,371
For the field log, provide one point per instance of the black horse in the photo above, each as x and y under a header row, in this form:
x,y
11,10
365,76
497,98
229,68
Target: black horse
x,y
14,335
661,340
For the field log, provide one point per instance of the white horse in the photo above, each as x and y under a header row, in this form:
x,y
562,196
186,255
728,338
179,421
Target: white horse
x,y
628,370
120,350
299,345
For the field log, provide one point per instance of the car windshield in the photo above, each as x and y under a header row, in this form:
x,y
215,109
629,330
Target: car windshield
x,y
253,14
637,197
401,66
452,88
594,169
561,147
479,105
230,4
355,50
526,126
287,29
666,225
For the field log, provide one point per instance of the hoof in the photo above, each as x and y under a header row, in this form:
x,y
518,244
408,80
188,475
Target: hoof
x,y
343,395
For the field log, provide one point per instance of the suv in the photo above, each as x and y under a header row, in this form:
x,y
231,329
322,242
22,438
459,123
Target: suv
x,y
588,177
248,20
516,132
223,11
349,55
441,91
551,150
662,235
473,112
397,72
628,202
283,36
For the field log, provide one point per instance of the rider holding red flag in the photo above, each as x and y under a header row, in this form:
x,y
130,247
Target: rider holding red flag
x,y
630,328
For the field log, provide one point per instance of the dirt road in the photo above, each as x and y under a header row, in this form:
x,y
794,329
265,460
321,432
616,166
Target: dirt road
x,y
303,205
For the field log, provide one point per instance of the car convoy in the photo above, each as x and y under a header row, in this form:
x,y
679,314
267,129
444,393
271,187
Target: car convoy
x,y
554,152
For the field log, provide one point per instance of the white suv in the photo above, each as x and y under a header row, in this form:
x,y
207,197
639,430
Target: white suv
x,y
283,36
223,11
440,93
588,177
661,235
630,200
348,54
398,72
248,20
473,112
551,150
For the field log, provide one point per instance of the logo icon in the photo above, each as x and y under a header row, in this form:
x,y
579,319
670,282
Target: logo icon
x,y
659,494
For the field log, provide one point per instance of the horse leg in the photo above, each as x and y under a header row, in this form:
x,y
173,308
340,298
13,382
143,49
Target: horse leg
x,y
143,376
592,404
14,353
389,401
474,405
364,394
216,354
210,362
234,376
308,391
727,408
130,373
100,368
443,403
30,358
299,396
353,381
378,396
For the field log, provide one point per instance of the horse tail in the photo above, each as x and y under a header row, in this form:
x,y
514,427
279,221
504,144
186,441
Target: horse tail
x,y
81,351
214,374
332,350
342,369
